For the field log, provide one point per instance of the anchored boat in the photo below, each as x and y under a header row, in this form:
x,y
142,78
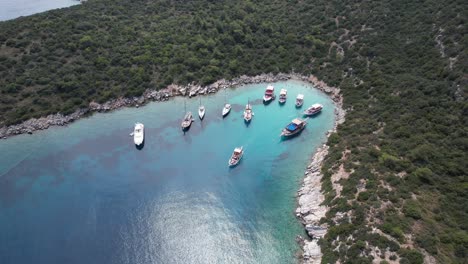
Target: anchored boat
x,y
299,100
139,134
227,107
236,156
269,94
201,111
282,96
294,128
314,109
248,112
187,121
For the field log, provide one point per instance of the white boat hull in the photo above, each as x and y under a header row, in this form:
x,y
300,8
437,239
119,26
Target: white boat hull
x,y
201,114
226,111
139,134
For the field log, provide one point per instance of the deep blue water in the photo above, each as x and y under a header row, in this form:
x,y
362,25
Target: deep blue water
x,y
10,9
84,193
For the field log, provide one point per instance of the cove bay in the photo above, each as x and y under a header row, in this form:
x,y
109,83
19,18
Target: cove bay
x,y
85,194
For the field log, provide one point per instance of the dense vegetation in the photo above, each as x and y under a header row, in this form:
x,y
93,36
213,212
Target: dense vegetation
x,y
401,65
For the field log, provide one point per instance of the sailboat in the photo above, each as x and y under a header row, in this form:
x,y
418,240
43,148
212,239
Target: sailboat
x,y
227,107
187,121
201,111
248,112
299,100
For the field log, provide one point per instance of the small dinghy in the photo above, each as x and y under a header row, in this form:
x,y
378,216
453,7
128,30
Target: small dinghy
x,y
294,128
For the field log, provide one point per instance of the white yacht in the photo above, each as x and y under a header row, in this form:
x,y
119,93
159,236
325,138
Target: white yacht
x,y
299,100
201,111
226,109
282,96
139,134
269,94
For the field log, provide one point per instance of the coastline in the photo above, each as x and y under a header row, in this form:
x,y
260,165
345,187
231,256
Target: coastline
x,y
58,119
309,196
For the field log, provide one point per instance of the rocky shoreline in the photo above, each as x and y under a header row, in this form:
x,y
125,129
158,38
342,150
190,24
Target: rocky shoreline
x,y
310,197
35,124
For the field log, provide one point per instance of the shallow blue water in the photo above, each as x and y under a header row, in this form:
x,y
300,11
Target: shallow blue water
x,y
84,193
10,9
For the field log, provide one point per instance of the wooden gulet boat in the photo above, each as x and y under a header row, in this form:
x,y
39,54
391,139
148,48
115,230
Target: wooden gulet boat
x,y
294,128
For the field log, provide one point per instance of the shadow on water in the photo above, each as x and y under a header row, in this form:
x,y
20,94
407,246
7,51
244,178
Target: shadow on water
x,y
257,102
141,146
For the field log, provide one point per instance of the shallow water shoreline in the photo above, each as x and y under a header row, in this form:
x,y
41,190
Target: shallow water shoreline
x,y
36,124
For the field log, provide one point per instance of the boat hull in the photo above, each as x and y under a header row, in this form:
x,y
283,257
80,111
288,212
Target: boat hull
x,y
267,100
233,164
288,134
187,126
139,134
312,113
226,112
201,115
299,105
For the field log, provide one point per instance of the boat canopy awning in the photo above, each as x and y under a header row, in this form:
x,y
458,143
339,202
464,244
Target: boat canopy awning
x,y
316,105
296,121
300,96
283,91
291,127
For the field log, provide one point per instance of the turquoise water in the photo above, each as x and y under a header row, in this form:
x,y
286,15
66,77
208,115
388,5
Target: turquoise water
x,y
84,193
10,9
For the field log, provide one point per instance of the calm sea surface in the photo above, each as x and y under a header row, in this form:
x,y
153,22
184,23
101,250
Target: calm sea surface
x,y
84,193
10,9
